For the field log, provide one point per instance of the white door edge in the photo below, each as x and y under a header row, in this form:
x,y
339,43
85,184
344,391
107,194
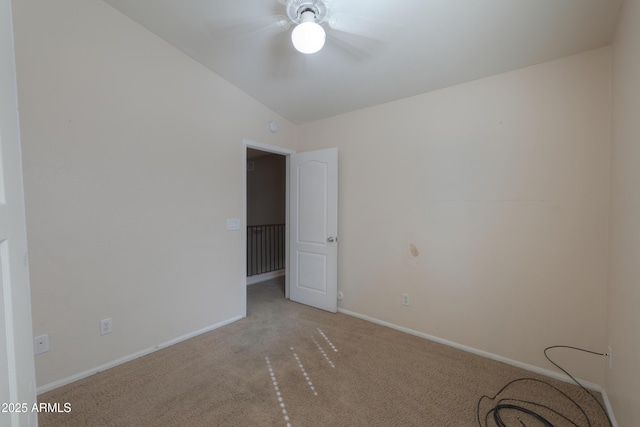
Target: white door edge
x,y
17,369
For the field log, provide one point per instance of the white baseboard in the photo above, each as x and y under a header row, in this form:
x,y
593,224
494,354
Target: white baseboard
x,y
252,280
607,404
528,367
68,380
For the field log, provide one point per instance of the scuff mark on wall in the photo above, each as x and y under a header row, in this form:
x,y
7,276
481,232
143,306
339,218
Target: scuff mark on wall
x,y
414,250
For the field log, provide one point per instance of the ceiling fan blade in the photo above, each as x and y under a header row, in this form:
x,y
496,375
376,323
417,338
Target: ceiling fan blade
x,y
363,26
358,47
241,29
284,62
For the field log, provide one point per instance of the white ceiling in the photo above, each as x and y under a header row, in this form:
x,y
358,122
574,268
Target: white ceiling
x,y
390,49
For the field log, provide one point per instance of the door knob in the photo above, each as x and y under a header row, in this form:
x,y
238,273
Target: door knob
x,y
331,239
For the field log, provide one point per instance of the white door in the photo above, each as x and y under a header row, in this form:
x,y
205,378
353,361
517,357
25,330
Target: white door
x,y
17,374
314,229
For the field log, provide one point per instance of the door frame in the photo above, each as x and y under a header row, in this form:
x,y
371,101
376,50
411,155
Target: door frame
x,y
247,143
17,364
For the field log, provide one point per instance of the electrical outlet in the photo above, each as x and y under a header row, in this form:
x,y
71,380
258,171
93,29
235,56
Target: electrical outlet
x,y
105,326
405,299
41,344
610,354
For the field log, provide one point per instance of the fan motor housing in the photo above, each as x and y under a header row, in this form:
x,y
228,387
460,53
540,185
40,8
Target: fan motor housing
x,y
295,9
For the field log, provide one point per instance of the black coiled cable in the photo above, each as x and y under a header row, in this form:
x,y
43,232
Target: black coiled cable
x,y
531,410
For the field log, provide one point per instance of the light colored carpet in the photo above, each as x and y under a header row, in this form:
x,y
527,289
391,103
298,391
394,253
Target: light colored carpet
x,y
289,364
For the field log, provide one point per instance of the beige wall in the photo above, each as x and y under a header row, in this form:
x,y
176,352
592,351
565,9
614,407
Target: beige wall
x,y
266,190
132,164
488,203
623,381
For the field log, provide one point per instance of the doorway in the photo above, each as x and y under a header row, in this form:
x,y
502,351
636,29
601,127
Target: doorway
x,y
266,215
266,203
310,227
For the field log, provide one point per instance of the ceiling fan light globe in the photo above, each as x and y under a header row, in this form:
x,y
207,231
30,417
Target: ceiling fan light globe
x,y
308,37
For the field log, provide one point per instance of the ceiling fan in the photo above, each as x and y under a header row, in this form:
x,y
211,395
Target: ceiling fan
x,y
309,18
356,28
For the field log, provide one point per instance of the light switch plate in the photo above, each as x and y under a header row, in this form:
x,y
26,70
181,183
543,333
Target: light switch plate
x,y
233,224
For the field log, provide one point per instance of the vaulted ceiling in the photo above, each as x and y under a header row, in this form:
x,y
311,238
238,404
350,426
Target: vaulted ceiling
x,y
377,50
